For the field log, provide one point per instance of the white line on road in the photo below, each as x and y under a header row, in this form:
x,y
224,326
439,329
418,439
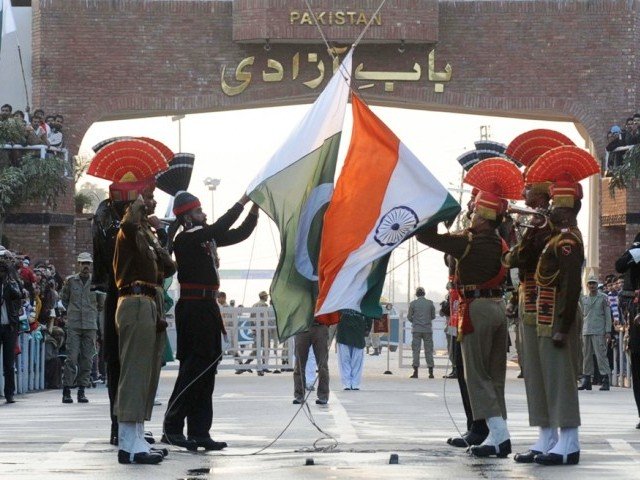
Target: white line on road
x,y
343,422
77,444
624,448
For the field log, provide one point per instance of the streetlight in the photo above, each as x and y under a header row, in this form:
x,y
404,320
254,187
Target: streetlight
x,y
211,184
178,118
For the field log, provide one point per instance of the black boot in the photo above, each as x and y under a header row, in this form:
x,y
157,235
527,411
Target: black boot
x,y
415,373
179,440
208,443
430,372
66,395
81,397
585,383
605,383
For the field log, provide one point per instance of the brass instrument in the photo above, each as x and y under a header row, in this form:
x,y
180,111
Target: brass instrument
x,y
530,214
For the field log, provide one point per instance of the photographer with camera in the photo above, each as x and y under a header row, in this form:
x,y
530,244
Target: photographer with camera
x,y
9,308
82,303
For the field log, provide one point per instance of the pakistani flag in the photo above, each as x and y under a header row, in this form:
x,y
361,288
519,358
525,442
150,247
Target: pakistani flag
x,y
294,189
7,21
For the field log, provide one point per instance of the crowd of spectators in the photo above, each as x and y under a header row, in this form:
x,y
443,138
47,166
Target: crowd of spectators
x,y
618,137
40,129
613,288
41,313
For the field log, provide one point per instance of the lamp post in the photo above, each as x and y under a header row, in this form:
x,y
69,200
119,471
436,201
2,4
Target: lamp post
x,y
211,184
178,118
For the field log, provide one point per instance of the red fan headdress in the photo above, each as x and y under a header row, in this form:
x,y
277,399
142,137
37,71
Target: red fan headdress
x,y
564,167
131,164
497,179
527,147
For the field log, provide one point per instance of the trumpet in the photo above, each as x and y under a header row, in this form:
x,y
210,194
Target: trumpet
x,y
536,218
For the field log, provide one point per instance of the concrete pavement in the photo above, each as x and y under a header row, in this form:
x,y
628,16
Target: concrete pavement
x,y
41,438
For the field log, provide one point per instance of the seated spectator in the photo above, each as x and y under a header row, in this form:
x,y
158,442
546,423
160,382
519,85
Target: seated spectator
x,y
5,112
628,130
634,137
36,133
19,116
614,140
49,119
56,138
40,114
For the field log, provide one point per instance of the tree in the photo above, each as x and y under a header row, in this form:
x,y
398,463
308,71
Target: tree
x,y
26,177
94,193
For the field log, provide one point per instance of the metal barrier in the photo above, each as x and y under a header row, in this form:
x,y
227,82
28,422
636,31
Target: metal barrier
x,y
621,372
253,340
29,365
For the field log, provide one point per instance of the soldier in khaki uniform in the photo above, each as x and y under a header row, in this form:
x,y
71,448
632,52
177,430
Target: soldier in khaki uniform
x,y
558,284
526,149
140,265
480,276
82,303
595,335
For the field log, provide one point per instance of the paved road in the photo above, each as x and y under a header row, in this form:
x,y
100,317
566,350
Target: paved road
x,y
41,438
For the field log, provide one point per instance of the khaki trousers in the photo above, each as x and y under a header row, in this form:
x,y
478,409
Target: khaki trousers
x,y
595,345
416,343
81,348
550,379
484,353
141,350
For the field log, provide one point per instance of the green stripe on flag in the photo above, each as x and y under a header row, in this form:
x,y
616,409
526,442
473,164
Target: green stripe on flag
x,y
296,198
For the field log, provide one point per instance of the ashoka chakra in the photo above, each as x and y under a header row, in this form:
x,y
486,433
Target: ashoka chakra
x,y
395,225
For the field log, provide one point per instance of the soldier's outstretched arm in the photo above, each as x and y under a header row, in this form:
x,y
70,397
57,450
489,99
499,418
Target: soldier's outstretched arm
x,y
453,244
237,235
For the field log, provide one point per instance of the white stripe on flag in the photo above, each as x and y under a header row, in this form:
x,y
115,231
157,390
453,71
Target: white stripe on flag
x,y
8,21
321,122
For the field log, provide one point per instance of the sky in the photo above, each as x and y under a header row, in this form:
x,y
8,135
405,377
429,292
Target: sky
x,y
232,146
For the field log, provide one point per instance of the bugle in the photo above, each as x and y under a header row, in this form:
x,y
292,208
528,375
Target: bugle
x,y
533,218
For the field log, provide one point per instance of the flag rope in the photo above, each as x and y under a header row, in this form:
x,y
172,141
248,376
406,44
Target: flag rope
x,y
330,49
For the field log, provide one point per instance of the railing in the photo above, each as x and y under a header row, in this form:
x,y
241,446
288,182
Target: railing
x,y
29,365
44,151
253,341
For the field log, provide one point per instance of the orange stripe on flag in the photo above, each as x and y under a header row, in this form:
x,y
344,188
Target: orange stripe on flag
x,y
357,199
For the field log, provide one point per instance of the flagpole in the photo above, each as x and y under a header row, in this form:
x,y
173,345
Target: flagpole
x,y
24,79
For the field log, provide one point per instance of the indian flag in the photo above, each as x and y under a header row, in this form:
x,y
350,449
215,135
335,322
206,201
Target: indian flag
x,y
383,195
7,21
294,188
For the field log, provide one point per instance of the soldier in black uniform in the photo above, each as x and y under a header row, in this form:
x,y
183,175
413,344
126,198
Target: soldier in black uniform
x,y
199,324
629,265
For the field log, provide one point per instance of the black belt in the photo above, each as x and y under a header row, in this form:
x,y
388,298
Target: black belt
x,y
197,294
483,293
137,289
